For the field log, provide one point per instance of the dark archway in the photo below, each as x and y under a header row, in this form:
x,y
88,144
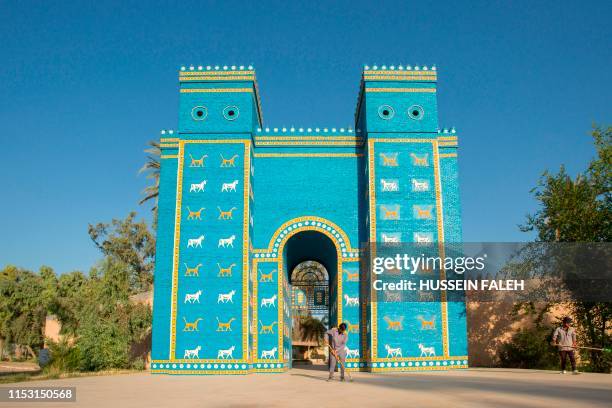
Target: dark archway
x,y
311,262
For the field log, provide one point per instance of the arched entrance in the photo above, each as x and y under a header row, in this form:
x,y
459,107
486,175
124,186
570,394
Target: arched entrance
x,y
311,263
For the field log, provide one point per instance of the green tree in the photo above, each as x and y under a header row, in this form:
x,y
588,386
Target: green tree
x,y
70,300
130,242
25,298
579,209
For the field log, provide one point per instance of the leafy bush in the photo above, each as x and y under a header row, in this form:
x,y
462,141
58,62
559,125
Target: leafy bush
x,y
109,322
139,364
529,348
64,357
103,344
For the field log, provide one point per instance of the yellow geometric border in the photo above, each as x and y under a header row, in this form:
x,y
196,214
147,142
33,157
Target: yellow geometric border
x,y
216,90
441,248
399,78
218,78
176,251
255,306
336,138
308,143
199,372
425,368
216,72
408,73
338,155
412,90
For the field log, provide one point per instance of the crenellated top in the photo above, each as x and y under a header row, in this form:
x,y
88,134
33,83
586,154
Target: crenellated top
x,y
447,131
217,73
447,138
168,142
400,73
301,131
216,69
307,136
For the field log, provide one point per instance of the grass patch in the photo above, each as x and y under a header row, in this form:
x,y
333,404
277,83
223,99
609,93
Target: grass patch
x,y
38,376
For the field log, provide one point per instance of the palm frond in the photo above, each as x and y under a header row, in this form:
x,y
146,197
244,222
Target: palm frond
x,y
152,167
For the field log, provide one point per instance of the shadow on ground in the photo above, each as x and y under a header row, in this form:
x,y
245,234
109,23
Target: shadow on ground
x,y
524,383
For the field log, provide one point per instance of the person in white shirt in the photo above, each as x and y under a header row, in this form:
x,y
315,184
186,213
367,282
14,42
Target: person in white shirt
x,y
564,337
337,339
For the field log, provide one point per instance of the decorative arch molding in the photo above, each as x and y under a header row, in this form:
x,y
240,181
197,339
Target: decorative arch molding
x,y
308,223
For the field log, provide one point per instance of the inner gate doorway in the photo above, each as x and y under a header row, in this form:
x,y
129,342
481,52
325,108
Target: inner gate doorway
x,y
312,267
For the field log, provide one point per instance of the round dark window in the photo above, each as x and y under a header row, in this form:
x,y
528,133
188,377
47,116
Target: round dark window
x,y
415,112
386,112
231,112
199,113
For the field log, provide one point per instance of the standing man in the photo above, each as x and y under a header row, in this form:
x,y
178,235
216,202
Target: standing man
x,y
564,337
336,339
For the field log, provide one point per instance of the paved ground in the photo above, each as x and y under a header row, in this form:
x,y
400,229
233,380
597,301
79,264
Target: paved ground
x,y
307,388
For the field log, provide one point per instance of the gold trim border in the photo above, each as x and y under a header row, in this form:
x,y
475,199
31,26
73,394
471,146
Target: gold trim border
x,y
198,372
217,78
245,248
426,368
399,72
416,90
414,78
338,155
308,143
215,90
217,72
334,138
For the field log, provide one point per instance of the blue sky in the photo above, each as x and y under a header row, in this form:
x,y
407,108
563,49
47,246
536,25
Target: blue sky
x,y
85,87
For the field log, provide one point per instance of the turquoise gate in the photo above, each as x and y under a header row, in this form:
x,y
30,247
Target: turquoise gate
x,y
233,193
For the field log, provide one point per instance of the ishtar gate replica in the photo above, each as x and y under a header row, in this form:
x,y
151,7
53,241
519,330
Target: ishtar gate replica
x,y
260,226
